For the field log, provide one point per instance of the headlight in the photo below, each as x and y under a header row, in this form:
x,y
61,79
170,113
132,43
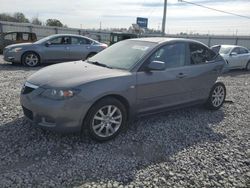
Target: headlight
x,y
60,94
16,49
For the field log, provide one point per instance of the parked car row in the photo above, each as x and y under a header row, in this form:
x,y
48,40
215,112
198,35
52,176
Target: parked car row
x,y
63,47
52,49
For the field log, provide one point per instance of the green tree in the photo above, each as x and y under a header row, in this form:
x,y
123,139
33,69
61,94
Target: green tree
x,y
54,22
7,18
20,17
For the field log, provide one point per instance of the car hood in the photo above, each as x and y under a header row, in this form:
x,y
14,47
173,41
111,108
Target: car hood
x,y
19,45
72,74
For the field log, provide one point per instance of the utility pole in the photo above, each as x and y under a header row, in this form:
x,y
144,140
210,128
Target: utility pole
x,y
164,17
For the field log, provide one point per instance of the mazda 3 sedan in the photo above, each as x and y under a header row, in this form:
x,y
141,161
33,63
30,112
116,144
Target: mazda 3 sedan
x,y
131,78
53,49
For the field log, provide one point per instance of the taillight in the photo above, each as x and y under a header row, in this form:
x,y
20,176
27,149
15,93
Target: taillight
x,y
104,46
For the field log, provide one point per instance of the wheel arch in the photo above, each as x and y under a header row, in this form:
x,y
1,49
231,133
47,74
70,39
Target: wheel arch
x,y
31,51
120,98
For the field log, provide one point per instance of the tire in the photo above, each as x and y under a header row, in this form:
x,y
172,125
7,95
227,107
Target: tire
x,y
248,66
217,96
31,59
90,55
106,119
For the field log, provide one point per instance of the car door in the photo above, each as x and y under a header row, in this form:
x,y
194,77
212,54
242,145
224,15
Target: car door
x,y
244,56
57,49
235,58
170,87
79,48
203,69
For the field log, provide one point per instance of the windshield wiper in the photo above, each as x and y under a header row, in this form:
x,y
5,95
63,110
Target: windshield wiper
x,y
99,64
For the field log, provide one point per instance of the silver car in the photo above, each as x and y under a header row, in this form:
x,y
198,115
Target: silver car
x,y
52,49
131,78
237,57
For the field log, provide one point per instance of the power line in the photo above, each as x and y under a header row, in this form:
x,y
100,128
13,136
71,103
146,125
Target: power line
x,y
231,13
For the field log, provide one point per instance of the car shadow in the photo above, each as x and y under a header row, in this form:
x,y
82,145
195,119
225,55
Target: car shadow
x,y
236,72
68,160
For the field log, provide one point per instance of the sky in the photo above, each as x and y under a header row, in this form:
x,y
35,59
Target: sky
x,y
181,17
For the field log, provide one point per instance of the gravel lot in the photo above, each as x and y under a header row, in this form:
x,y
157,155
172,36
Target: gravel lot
x,y
191,147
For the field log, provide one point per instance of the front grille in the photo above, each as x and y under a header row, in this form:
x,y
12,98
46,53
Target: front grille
x,y
27,90
28,113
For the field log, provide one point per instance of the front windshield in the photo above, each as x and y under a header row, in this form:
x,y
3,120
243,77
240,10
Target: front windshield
x,y
124,54
225,50
43,40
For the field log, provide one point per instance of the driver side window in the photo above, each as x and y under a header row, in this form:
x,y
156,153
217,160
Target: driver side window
x,y
236,50
60,40
172,54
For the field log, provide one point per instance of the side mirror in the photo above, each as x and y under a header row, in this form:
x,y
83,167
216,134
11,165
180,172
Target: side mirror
x,y
233,54
156,65
48,43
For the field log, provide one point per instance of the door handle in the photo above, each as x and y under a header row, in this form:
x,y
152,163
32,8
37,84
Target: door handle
x,y
88,47
181,75
67,48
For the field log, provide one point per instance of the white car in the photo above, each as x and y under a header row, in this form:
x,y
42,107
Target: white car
x,y
237,57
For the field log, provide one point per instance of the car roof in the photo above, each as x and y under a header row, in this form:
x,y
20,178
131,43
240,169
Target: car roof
x,y
164,39
72,35
231,46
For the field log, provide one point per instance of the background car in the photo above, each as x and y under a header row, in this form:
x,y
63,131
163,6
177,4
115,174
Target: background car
x,y
53,49
130,78
237,57
16,37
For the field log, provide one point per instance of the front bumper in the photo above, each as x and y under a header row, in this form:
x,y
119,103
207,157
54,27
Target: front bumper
x,y
65,116
12,56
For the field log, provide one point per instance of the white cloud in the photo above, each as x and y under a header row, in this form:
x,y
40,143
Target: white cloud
x,y
122,13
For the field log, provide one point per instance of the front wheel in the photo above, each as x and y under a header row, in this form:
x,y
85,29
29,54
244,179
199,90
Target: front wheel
x,y
217,96
30,59
106,119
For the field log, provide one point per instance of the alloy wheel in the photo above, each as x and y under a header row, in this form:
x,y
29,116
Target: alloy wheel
x,y
107,121
31,60
218,96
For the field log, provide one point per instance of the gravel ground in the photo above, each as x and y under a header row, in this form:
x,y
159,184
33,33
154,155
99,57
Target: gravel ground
x,y
191,147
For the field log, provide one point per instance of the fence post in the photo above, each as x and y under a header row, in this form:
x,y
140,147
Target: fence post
x,y
56,30
30,28
209,41
1,28
236,41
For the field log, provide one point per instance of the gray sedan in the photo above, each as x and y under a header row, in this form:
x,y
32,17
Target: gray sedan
x,y
52,49
237,57
131,78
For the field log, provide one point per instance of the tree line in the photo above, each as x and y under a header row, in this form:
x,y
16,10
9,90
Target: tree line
x,y
21,18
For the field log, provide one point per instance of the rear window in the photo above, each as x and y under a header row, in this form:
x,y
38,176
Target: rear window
x,y
11,36
25,36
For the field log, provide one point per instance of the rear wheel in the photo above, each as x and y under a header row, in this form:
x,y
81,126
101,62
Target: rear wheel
x,y
106,119
248,66
217,96
30,59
